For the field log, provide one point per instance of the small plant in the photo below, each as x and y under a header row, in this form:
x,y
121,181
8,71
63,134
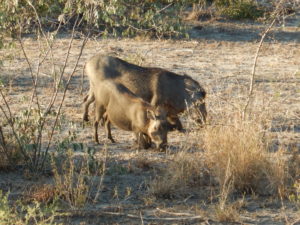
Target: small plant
x,y
227,214
76,177
239,9
295,197
20,214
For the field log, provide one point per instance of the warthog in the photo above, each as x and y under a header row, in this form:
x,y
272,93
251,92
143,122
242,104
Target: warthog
x,y
128,112
157,86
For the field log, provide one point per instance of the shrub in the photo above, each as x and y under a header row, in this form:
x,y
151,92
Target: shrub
x,y
125,18
77,179
18,214
242,9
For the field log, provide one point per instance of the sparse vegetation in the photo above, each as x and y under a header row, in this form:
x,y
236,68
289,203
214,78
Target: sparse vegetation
x,y
242,154
109,18
235,158
52,173
18,214
77,179
240,9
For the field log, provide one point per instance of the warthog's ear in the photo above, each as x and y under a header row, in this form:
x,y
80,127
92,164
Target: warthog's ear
x,y
151,114
191,84
160,112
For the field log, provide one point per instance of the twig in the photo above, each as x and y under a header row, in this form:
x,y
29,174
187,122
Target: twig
x,y
254,68
2,139
164,8
9,120
34,81
139,217
142,221
42,117
100,185
172,213
82,80
250,94
43,33
54,96
64,95
296,221
4,147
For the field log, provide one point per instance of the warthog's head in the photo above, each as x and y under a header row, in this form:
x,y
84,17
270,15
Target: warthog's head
x,y
195,100
157,129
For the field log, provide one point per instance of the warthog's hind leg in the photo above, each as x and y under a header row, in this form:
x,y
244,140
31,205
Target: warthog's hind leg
x,y
96,132
88,99
108,130
99,111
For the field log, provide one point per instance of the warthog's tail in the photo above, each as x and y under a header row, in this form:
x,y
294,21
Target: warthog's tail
x,y
82,79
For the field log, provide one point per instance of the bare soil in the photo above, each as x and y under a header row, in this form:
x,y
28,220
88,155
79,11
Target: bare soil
x,y
220,56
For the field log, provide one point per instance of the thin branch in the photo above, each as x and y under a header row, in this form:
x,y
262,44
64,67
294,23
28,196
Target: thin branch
x,y
296,221
34,82
43,33
251,88
164,8
9,120
100,185
54,96
2,139
172,213
63,97
254,68
139,217
3,145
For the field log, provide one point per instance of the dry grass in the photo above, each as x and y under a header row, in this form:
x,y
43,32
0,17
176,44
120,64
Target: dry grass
x,y
235,157
242,149
231,160
185,171
77,179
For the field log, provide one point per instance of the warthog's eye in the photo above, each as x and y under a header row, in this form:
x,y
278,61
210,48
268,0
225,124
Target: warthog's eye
x,y
199,101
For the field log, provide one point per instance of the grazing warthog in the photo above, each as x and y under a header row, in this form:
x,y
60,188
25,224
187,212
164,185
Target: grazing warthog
x,y
157,86
128,112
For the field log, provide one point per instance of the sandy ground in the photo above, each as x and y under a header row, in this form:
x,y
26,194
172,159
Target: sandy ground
x,y
220,56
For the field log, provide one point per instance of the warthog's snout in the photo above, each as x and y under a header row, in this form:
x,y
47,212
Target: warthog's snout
x,y
158,136
201,108
199,113
160,141
161,146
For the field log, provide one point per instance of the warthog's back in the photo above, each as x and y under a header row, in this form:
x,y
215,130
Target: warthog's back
x,y
154,85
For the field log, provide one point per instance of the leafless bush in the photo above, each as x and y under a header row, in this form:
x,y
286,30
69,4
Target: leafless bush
x,y
31,131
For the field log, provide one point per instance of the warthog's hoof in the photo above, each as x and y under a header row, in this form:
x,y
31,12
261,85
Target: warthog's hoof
x,y
112,140
182,130
85,118
143,145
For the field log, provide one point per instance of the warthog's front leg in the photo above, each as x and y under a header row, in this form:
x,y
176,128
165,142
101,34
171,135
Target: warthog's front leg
x,y
174,123
143,141
88,99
